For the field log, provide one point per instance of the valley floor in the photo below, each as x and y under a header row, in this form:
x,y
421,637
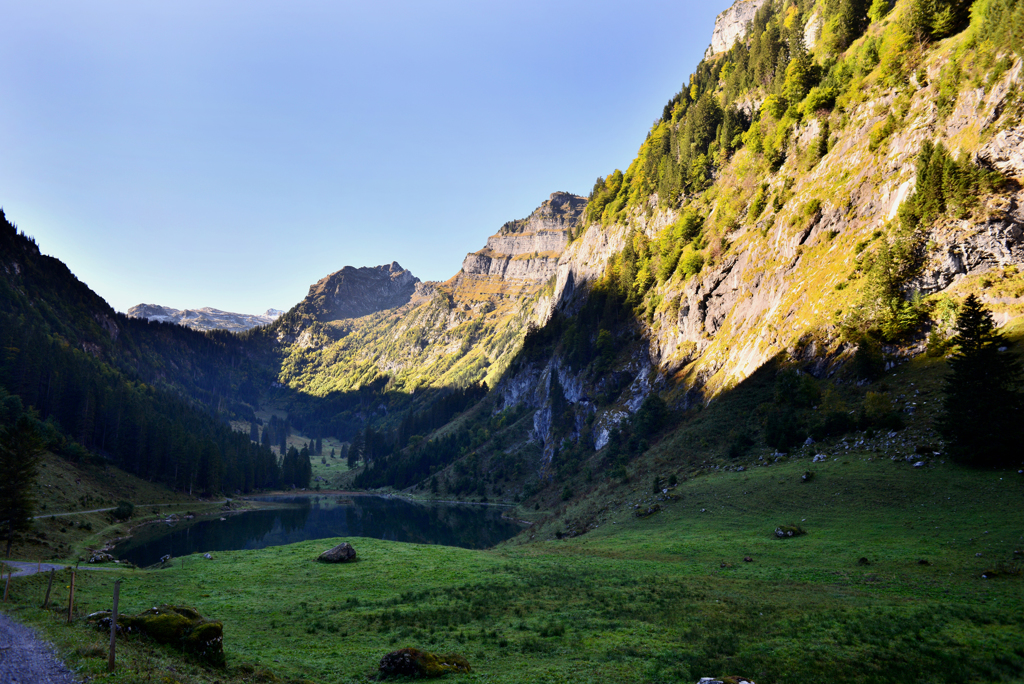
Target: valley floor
x,y
904,574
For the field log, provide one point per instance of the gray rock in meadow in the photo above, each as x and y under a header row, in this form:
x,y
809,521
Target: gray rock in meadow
x,y
342,553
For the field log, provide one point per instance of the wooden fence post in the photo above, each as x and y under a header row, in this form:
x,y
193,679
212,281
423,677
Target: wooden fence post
x,y
49,586
71,598
113,626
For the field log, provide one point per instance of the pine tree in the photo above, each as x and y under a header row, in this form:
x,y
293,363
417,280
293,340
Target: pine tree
x,y
983,407
878,10
20,447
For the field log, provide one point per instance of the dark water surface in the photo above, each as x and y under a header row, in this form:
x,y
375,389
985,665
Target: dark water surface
x,y
303,518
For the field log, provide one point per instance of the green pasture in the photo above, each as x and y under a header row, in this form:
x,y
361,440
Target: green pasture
x,y
664,598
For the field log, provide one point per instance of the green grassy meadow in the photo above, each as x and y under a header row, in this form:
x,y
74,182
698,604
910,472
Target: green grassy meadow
x,y
665,598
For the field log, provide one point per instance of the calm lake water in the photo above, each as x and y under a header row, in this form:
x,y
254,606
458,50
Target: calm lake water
x,y
301,518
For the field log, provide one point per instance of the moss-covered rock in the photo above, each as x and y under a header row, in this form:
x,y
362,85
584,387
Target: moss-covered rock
x,y
179,626
412,662
206,642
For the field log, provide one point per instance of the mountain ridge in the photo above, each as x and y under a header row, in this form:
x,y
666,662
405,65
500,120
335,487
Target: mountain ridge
x,y
206,318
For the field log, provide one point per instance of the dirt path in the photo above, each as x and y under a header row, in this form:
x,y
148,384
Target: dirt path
x,y
112,508
25,659
26,568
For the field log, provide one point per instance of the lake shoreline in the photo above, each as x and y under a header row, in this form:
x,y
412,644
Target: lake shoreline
x,y
281,518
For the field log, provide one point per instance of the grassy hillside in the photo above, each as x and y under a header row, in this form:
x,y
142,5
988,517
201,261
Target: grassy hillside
x,y
63,531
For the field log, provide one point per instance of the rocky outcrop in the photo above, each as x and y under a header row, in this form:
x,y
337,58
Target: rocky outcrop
x,y
1005,152
965,249
529,248
812,29
203,319
356,292
731,25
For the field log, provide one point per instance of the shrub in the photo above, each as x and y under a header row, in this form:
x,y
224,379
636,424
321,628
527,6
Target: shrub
x,y
691,262
881,131
775,105
819,98
758,204
124,510
878,10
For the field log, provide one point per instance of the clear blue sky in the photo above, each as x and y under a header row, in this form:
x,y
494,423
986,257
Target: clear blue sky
x,y
229,154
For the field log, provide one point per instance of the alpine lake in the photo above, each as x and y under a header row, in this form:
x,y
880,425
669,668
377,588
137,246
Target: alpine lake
x,y
292,518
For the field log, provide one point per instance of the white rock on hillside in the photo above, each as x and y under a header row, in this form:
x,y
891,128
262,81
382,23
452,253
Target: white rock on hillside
x,y
731,25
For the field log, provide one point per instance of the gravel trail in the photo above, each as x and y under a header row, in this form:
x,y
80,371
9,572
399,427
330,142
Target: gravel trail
x,y
26,659
25,568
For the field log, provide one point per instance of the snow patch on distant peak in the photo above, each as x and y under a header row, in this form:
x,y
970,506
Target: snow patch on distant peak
x,y
206,318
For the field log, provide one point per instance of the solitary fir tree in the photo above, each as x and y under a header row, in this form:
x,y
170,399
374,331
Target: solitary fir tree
x,y
20,447
982,409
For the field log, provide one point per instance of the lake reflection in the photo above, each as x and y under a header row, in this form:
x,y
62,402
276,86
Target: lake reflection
x,y
319,517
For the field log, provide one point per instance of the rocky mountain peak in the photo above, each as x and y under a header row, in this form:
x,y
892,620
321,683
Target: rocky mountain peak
x,y
356,292
529,248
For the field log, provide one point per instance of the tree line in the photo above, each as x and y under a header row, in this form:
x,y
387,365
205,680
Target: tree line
x,y
80,366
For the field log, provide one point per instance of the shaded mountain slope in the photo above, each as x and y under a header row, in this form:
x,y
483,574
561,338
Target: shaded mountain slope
x,y
148,397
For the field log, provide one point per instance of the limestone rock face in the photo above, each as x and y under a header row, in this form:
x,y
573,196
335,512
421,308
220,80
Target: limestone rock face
x,y
529,248
342,553
812,29
356,292
1005,152
731,25
966,248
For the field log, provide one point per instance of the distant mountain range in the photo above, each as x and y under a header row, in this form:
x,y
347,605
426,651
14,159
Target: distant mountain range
x,y
204,319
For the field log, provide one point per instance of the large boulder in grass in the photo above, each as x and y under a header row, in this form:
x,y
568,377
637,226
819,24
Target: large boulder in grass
x,y
412,662
342,553
179,626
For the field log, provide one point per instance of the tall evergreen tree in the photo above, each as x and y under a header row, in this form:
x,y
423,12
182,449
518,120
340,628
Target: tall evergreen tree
x,y
303,469
20,447
983,408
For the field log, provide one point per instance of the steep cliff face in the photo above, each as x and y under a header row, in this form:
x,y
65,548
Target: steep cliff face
x,y
784,277
385,322
356,292
731,25
528,249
